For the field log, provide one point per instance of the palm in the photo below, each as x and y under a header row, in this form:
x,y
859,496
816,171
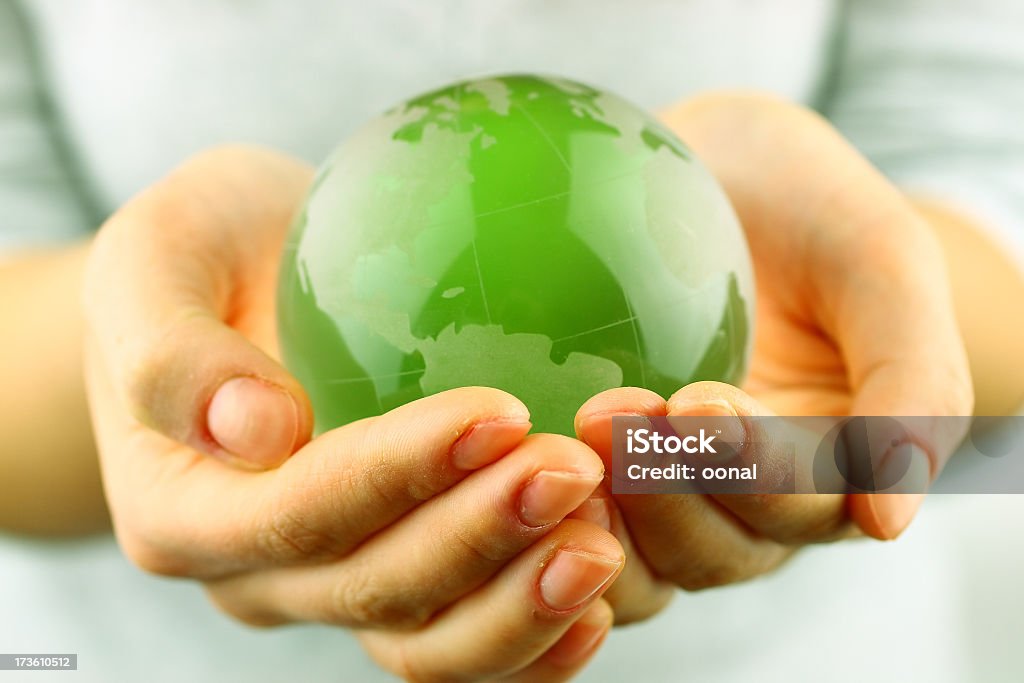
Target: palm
x,y
795,369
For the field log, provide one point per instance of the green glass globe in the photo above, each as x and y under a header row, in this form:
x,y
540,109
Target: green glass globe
x,y
521,232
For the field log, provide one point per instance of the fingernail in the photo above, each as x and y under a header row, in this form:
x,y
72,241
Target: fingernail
x,y
895,511
485,442
596,511
906,467
573,577
550,496
906,473
254,421
710,408
582,637
596,430
730,422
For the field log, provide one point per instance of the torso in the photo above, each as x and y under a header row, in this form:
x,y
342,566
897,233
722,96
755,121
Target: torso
x,y
140,86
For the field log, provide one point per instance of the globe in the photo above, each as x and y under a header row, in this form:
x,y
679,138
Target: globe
x,y
522,232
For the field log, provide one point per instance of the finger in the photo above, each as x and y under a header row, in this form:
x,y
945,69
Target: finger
x,y
637,593
709,546
890,310
573,650
624,400
787,518
167,275
513,619
408,572
594,416
886,302
190,516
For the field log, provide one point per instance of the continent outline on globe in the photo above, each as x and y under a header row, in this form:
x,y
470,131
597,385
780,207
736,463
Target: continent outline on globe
x,y
524,232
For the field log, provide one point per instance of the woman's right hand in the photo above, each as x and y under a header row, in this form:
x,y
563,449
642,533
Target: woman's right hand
x,y
437,530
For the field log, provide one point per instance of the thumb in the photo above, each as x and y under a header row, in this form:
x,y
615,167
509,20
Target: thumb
x,y
805,515
204,384
780,449
168,272
784,452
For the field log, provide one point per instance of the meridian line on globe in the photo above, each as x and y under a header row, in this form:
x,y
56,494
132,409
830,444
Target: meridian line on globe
x,y
636,339
558,195
480,279
547,138
595,329
349,380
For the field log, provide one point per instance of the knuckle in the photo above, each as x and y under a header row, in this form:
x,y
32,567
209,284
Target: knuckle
x,y
418,486
783,513
385,476
151,380
476,548
287,535
144,380
149,556
363,601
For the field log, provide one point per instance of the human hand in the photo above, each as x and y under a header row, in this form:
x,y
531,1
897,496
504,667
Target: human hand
x,y
854,317
437,530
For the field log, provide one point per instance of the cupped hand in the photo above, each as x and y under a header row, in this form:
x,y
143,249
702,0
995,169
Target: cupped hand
x,y
438,531
854,317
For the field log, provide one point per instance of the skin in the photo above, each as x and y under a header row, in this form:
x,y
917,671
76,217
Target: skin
x,y
48,466
177,294
987,297
340,530
855,316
